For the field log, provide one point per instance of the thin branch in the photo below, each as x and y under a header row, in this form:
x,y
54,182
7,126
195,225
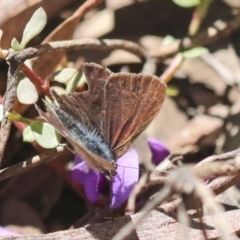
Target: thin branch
x,y
211,35
13,72
183,220
32,162
129,227
221,157
136,190
212,205
172,68
73,45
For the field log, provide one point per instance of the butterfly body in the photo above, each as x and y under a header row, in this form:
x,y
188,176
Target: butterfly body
x,y
115,109
89,138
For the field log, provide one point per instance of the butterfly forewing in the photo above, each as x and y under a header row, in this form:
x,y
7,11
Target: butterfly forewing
x,y
88,107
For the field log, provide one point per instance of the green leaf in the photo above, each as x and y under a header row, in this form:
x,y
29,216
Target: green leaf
x,y
195,52
26,92
16,117
16,45
34,26
58,90
1,112
76,81
63,75
172,91
45,134
187,3
28,134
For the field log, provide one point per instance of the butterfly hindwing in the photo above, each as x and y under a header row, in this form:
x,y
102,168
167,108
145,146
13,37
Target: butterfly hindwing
x,y
94,161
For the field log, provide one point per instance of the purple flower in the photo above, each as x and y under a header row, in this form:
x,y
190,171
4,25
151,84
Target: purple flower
x,y
127,174
159,150
6,232
95,183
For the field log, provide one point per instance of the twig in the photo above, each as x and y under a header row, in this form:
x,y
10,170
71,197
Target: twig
x,y
212,205
136,190
13,72
207,37
73,45
183,219
129,227
227,76
221,157
32,162
173,67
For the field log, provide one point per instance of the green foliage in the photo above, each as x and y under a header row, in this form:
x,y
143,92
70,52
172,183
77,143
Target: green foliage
x,y
191,53
63,75
16,117
187,3
195,52
26,92
76,81
34,26
28,134
44,134
15,45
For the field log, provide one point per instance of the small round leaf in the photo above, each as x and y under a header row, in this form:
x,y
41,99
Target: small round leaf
x,y
45,134
58,90
76,81
28,134
34,26
26,92
187,3
63,75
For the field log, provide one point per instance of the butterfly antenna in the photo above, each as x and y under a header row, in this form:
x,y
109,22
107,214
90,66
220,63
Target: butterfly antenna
x,y
98,180
127,167
67,147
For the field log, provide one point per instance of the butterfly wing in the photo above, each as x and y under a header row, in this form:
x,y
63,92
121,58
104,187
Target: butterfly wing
x,y
94,161
131,103
118,106
88,106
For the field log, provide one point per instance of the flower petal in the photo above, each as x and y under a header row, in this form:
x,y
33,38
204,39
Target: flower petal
x,y
79,172
77,159
7,232
92,181
93,185
159,150
127,176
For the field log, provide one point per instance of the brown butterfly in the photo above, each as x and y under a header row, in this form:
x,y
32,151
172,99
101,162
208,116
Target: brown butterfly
x,y
103,122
